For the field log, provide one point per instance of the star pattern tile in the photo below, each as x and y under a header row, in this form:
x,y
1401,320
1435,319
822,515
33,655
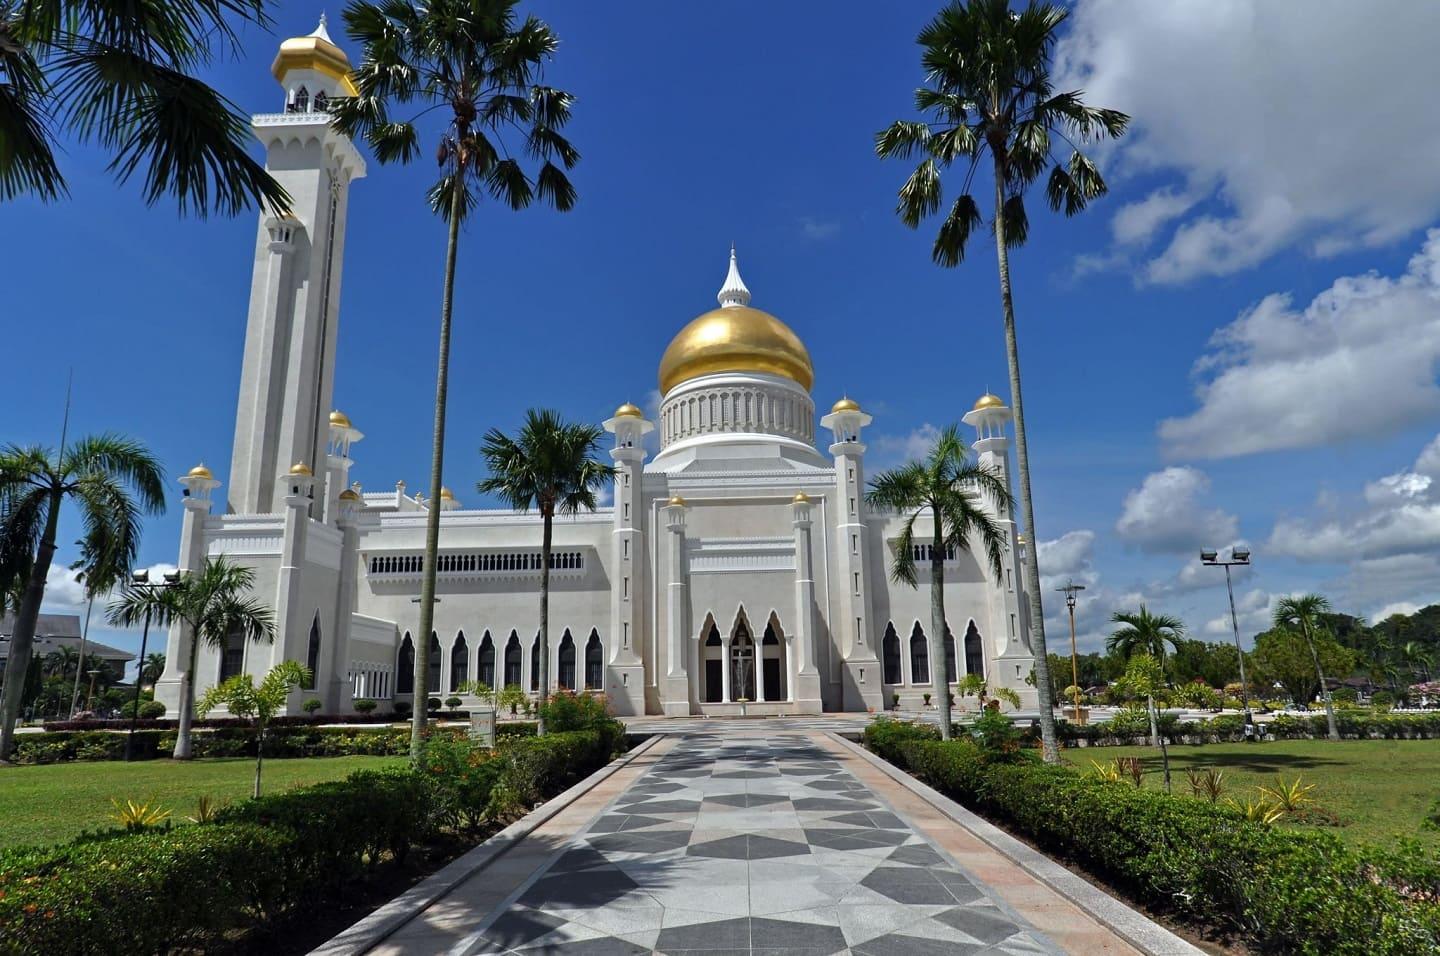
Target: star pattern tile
x,y
750,846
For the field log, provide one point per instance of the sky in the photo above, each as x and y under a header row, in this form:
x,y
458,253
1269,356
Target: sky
x,y
1237,345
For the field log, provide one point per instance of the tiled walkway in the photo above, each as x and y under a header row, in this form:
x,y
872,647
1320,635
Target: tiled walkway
x,y
751,846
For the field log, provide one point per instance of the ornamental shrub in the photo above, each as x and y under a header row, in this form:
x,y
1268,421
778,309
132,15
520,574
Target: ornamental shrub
x,y
567,711
1284,891
311,706
884,735
364,705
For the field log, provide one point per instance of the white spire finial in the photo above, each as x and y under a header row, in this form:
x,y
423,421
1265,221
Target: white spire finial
x,y
321,31
733,293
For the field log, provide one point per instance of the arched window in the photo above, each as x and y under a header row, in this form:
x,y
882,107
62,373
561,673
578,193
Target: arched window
x,y
312,655
535,663
594,662
486,662
974,652
432,681
512,660
950,675
459,663
302,100
890,650
565,675
232,656
919,656
322,102
405,669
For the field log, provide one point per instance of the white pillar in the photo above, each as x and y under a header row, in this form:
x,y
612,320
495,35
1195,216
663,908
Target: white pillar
x,y
807,674
291,620
725,670
676,701
625,663
199,484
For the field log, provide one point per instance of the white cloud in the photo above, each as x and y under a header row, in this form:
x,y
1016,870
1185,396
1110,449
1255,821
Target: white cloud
x,y
1278,377
1253,611
1069,557
65,594
818,229
1398,607
1166,514
1400,515
1270,112
909,447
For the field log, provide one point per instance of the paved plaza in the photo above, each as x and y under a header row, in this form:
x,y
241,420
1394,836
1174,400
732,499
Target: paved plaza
x,y
729,838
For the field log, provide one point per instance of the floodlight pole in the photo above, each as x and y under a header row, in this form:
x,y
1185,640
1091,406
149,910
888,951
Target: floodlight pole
x,y
1236,558
1070,588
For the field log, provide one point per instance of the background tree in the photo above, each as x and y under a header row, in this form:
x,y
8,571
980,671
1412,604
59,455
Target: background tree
x,y
949,489
243,698
112,481
209,605
550,465
152,668
122,74
98,571
1144,679
1147,634
1213,662
1282,657
975,685
472,64
1302,613
989,92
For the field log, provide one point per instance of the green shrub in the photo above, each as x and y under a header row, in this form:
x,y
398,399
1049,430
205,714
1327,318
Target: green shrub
x,y
312,705
432,705
452,702
537,768
567,711
364,705
468,770
1286,892
1382,700
885,735
402,707
996,736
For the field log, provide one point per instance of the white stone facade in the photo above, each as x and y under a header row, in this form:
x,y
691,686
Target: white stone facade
x,y
740,562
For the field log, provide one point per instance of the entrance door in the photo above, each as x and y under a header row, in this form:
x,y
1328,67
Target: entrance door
x,y
713,677
772,679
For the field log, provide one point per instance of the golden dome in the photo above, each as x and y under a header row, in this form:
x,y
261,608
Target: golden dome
x,y
846,404
989,400
349,495
629,411
340,420
300,468
676,501
801,498
200,471
736,338
446,494
317,52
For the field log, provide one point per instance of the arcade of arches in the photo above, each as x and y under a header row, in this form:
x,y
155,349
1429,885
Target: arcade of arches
x,y
577,667
910,664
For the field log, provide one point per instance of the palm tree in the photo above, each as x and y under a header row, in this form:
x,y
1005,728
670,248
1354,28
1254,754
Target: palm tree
x,y
61,663
1418,658
1145,677
152,668
1303,613
1146,633
948,488
244,698
550,465
481,70
97,571
210,605
123,74
989,90
112,480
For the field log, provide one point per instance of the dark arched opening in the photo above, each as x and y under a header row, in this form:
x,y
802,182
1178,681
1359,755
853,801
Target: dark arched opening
x,y
565,671
919,656
405,669
594,662
459,663
890,650
974,652
512,660
485,665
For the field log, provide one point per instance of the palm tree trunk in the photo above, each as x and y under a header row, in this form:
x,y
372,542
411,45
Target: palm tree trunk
x,y
1333,729
1022,466
419,710
259,757
22,642
939,678
186,716
80,665
546,518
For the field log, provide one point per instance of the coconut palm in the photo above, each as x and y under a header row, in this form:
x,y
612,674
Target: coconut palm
x,y
242,697
61,663
471,65
98,572
209,605
152,668
550,465
1147,634
1304,613
112,481
1418,658
949,490
989,92
124,74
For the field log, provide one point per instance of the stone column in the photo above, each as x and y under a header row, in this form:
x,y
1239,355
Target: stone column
x,y
199,484
807,674
291,623
625,677
676,702
725,669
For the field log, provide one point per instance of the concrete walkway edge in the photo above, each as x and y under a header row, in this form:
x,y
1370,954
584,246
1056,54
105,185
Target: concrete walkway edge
x,y
371,930
1123,920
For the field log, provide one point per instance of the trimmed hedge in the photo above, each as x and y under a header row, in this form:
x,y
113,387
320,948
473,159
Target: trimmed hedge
x,y
263,862
1230,728
1284,891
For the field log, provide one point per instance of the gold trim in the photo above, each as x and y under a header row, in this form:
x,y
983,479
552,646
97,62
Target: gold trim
x,y
300,468
318,54
629,411
676,501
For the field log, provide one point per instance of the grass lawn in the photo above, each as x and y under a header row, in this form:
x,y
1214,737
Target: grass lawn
x,y
55,802
1379,789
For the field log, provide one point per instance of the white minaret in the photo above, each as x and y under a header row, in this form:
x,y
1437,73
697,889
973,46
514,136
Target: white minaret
x,y
1007,657
625,669
288,377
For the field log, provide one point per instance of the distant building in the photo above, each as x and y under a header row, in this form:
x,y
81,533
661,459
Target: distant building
x,y
54,631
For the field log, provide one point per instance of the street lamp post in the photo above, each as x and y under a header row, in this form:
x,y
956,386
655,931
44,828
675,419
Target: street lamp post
x,y
90,697
1070,590
1238,556
141,580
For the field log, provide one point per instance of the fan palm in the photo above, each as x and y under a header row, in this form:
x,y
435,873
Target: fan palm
x,y
1304,613
209,605
949,488
550,465
1145,633
471,63
123,74
989,92
113,481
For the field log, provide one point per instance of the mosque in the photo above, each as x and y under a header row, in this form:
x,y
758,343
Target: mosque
x,y
739,569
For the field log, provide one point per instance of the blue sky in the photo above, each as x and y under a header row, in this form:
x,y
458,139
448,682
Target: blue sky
x,y
1301,429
